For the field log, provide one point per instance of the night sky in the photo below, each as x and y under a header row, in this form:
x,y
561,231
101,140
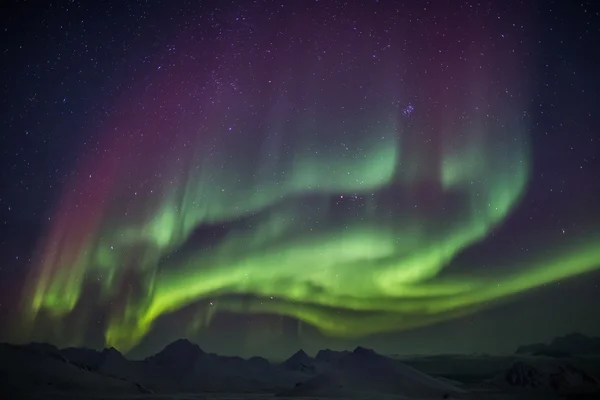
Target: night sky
x,y
261,176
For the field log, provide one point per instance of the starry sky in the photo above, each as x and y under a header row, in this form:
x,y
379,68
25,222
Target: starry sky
x,y
260,176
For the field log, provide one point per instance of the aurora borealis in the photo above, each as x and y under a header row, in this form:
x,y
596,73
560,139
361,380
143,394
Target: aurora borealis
x,y
327,164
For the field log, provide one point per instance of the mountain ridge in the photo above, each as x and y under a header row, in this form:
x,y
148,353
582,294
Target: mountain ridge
x,y
184,367
561,346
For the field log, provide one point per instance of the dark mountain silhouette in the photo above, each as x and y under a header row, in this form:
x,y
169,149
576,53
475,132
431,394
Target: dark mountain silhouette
x,y
93,359
563,346
180,353
259,363
330,356
177,359
300,361
183,367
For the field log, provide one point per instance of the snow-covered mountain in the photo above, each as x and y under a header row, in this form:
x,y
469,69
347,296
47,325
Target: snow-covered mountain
x,y
365,372
183,367
43,368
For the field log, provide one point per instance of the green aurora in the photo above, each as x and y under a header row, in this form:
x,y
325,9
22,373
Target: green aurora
x,y
328,204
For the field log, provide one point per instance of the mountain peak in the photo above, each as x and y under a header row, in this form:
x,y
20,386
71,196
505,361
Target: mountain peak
x,y
363,351
111,350
300,354
300,360
111,353
299,357
328,355
182,345
179,352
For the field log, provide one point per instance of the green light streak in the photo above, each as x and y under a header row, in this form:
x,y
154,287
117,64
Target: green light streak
x,y
356,267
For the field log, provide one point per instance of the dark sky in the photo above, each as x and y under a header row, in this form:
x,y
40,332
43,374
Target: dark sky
x,y
260,176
